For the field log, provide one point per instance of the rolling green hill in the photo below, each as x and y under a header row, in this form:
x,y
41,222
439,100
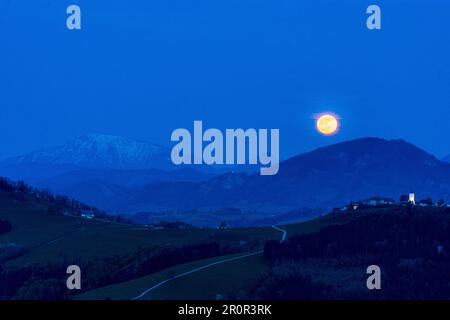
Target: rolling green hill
x,y
220,279
53,240
50,237
130,253
225,279
230,279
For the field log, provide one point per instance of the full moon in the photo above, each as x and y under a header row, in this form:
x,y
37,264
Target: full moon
x,y
327,124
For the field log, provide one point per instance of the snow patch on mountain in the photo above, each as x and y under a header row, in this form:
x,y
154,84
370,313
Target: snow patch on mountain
x,y
101,151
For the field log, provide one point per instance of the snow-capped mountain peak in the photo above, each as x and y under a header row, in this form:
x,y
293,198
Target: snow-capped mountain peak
x,y
101,151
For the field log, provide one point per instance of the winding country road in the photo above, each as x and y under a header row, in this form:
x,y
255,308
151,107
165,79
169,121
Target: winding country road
x,y
283,238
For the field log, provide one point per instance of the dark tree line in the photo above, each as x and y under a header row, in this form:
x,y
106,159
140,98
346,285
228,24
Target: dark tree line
x,y
412,246
48,281
388,236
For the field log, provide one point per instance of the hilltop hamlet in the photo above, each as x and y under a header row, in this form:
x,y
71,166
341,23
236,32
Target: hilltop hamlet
x,y
383,202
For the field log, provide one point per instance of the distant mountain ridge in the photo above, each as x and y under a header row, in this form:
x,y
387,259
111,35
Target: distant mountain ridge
x,y
311,182
100,151
97,186
326,177
95,167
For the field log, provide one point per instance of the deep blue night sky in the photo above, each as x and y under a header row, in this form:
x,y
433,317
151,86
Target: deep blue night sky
x,y
143,68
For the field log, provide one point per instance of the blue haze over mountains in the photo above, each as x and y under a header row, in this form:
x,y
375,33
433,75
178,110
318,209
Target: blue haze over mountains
x,y
132,176
145,68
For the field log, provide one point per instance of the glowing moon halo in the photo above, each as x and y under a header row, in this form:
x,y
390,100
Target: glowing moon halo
x,y
327,124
